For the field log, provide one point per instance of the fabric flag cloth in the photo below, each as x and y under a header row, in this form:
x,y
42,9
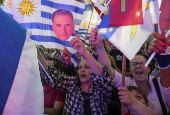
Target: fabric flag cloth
x,y
154,9
90,15
21,91
7,7
84,26
101,4
38,19
127,25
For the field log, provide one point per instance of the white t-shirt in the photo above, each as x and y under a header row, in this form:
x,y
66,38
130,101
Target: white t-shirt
x,y
153,99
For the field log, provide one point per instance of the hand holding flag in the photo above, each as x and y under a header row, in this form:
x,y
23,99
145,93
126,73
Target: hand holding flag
x,y
157,51
95,38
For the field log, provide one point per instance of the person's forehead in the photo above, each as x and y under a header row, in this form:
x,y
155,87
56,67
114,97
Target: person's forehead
x,y
84,62
138,58
62,15
134,92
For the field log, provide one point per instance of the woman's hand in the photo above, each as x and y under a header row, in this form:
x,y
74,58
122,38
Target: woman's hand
x,y
160,44
125,96
78,45
95,38
67,56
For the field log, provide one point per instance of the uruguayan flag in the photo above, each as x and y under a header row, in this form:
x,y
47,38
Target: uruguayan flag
x,y
36,15
38,18
88,22
82,33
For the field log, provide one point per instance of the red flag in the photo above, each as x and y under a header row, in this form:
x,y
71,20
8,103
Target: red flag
x,y
126,12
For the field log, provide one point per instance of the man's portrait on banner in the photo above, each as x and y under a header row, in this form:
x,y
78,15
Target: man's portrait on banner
x,y
63,23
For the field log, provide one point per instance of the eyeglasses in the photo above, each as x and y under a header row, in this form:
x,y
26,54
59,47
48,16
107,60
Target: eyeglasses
x,y
134,64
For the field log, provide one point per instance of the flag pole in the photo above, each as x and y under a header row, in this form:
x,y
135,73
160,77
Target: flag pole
x,y
88,26
123,81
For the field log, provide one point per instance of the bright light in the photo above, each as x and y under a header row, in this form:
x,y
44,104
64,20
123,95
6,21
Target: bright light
x,y
138,14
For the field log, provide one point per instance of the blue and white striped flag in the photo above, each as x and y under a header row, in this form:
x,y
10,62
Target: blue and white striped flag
x,y
38,18
82,33
88,16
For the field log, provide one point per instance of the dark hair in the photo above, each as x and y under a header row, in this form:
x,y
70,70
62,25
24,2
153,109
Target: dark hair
x,y
112,60
58,64
151,64
41,50
57,52
141,54
130,88
62,12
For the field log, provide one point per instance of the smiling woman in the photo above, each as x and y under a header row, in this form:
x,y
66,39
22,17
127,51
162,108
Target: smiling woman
x,y
144,81
141,77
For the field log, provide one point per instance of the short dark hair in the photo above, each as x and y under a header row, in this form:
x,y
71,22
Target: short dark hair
x,y
130,88
141,54
62,12
151,64
58,64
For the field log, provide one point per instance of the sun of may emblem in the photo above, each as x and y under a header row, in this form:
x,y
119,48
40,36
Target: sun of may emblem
x,y
9,4
26,7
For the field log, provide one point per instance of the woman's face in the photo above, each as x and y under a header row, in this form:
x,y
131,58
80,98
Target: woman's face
x,y
138,70
84,71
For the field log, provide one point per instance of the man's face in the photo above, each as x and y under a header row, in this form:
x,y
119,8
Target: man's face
x,y
63,26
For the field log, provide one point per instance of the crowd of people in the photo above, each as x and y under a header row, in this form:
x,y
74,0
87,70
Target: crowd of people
x,y
94,87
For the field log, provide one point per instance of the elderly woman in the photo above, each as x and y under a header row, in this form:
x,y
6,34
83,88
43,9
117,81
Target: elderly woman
x,y
87,93
140,73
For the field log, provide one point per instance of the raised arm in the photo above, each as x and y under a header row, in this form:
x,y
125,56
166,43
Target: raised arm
x,y
42,59
68,66
134,104
56,79
159,45
97,40
79,46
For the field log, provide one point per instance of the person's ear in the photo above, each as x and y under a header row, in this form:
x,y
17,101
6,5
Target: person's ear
x,y
53,27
